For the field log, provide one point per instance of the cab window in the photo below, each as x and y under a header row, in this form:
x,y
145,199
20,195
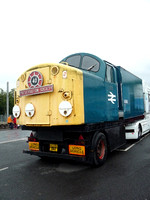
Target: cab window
x,y
90,64
74,60
109,74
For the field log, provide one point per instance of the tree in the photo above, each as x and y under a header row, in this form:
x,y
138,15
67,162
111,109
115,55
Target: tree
x,y
11,100
3,101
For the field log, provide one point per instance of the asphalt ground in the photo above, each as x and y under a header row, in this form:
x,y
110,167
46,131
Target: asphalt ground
x,y
124,176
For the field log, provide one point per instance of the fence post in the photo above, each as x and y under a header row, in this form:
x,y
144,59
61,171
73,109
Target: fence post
x,y
7,101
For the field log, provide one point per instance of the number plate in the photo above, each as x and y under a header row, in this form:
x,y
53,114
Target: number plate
x,y
34,146
53,147
77,150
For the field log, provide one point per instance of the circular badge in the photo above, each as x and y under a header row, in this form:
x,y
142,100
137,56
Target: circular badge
x,y
35,79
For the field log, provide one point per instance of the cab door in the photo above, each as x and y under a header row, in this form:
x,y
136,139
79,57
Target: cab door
x,y
111,92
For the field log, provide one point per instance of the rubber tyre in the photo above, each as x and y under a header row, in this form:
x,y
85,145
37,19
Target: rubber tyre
x,y
99,145
139,132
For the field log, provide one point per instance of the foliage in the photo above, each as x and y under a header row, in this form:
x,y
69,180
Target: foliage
x,y
3,96
11,101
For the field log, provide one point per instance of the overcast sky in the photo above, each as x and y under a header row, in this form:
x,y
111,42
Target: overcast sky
x,y
44,31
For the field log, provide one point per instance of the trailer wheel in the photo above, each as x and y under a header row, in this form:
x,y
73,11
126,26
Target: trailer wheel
x,y
99,145
139,131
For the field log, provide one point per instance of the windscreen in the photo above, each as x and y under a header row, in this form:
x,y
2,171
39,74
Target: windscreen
x,y
90,64
74,60
86,62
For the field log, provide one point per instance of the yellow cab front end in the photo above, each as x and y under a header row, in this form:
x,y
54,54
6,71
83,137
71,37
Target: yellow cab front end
x,y
50,95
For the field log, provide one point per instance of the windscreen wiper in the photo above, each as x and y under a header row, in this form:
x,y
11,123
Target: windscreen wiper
x,y
91,67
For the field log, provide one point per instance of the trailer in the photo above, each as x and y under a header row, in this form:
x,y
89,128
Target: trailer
x,y
77,109
140,127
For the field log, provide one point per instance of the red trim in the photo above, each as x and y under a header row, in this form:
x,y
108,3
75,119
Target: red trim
x,y
101,149
39,77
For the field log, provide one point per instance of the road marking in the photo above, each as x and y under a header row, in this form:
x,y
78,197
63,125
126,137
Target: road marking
x,y
3,169
126,148
16,140
132,145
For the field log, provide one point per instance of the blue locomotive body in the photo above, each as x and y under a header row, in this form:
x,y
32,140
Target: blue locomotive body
x,y
131,94
110,92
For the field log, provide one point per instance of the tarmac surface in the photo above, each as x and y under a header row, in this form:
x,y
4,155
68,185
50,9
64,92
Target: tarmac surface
x,y
124,176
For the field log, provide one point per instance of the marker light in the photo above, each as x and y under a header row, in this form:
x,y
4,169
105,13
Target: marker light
x,y
16,111
55,70
65,108
29,110
23,77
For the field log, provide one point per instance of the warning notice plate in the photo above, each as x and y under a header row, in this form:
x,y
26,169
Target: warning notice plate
x,y
77,150
34,146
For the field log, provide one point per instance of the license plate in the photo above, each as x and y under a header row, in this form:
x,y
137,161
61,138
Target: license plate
x,y
34,146
77,150
53,147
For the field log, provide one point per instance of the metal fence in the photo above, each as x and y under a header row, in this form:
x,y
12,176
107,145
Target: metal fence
x,y
3,118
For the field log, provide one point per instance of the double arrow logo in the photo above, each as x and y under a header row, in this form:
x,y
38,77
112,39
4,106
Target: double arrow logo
x,y
112,97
